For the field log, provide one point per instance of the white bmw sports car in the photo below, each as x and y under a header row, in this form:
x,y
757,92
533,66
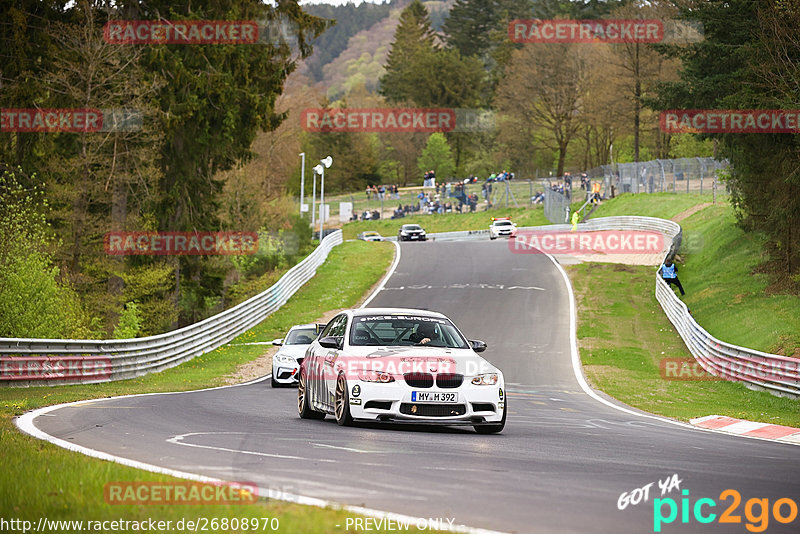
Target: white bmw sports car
x,y
286,362
400,366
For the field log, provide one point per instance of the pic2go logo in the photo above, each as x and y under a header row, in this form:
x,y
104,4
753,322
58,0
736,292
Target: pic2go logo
x,y
756,511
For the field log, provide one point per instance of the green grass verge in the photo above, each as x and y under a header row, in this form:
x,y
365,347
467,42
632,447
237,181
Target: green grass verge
x,y
41,480
725,291
663,205
624,334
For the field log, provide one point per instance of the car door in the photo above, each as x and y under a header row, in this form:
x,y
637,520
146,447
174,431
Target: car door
x,y
315,355
330,357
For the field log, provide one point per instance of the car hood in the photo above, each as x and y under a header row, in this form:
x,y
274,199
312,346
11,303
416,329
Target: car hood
x,y
295,351
399,360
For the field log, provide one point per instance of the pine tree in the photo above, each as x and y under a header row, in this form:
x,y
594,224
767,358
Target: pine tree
x,y
414,44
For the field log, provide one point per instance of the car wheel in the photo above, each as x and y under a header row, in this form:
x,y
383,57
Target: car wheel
x,y
492,237
303,408
274,382
494,429
342,402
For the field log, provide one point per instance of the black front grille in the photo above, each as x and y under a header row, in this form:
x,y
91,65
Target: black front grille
x,y
449,380
419,380
433,410
380,405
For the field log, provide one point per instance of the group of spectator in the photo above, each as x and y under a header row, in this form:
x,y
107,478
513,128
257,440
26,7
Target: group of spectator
x,y
380,192
367,215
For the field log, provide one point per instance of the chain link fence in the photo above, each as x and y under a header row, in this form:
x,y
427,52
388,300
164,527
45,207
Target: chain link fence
x,y
684,175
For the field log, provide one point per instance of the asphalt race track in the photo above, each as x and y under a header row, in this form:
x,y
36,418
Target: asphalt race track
x,y
560,465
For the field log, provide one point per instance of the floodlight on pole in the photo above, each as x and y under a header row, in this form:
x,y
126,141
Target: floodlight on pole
x,y
302,179
320,169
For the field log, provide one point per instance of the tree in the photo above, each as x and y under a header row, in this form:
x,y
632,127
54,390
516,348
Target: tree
x,y
749,59
438,157
414,44
33,303
544,91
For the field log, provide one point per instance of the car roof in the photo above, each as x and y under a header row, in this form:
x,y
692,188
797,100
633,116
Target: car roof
x,y
396,311
298,326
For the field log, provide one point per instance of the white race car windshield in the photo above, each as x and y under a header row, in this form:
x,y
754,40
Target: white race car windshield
x,y
405,331
300,336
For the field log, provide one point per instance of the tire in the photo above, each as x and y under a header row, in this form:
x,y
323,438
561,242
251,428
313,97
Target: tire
x,y
494,429
492,237
274,383
303,408
342,402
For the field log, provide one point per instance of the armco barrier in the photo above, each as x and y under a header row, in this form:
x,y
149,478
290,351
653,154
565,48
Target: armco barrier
x,y
779,375
130,358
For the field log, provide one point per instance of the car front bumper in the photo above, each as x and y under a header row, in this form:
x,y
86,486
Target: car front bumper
x,y
285,373
393,402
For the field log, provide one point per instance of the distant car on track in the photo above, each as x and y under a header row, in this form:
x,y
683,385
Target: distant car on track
x,y
286,362
411,232
370,236
502,227
400,366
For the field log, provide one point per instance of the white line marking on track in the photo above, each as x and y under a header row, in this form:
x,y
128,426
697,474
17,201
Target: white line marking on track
x,y
349,449
178,440
25,423
386,277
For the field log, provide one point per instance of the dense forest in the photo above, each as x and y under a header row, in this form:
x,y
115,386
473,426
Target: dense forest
x,y
220,132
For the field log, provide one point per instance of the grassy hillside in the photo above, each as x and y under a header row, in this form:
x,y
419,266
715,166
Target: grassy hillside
x,y
623,334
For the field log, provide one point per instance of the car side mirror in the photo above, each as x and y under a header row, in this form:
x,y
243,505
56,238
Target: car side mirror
x,y
330,342
277,342
477,345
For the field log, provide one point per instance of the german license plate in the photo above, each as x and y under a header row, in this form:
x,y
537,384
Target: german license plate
x,y
434,397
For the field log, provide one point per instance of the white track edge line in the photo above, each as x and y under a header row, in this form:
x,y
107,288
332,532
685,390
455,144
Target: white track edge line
x,y
578,371
25,424
386,277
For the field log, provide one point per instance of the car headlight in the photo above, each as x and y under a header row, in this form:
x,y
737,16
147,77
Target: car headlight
x,y
285,359
376,376
488,379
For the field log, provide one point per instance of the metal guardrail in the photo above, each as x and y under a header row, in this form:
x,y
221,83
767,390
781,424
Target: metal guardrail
x,y
779,375
130,358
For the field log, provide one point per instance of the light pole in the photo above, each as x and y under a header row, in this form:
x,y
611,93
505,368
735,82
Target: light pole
x,y
302,179
313,200
320,169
